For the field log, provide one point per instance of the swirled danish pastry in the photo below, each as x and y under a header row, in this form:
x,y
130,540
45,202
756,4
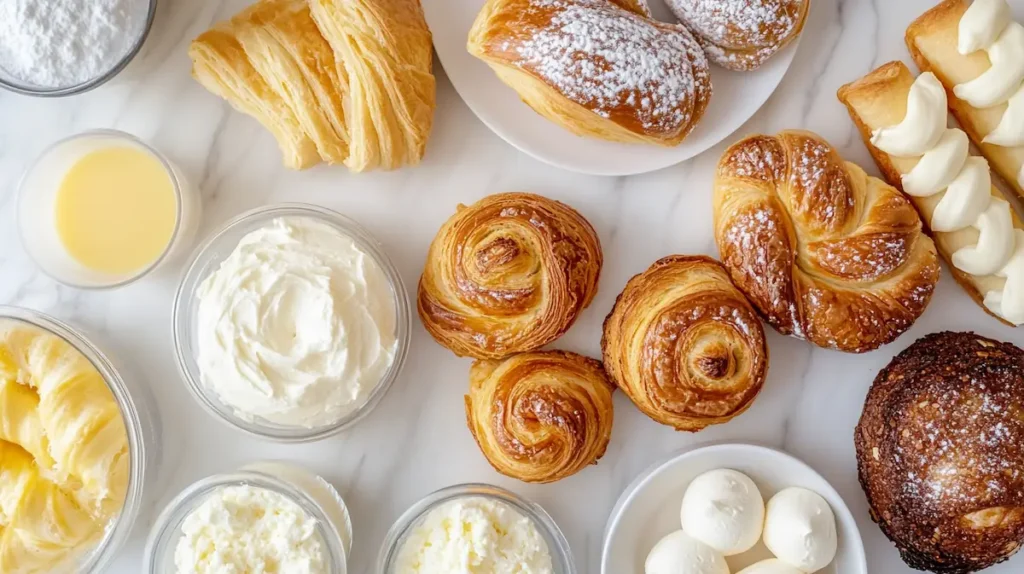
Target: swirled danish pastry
x,y
540,417
823,251
685,345
508,274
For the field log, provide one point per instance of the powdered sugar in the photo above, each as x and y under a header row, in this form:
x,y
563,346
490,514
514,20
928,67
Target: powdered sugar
x,y
61,43
616,63
756,22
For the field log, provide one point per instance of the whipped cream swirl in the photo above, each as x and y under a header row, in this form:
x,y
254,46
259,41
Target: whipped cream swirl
x,y
946,165
297,326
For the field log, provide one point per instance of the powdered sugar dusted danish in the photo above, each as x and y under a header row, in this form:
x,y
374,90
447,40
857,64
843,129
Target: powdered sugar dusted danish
x,y
598,68
742,34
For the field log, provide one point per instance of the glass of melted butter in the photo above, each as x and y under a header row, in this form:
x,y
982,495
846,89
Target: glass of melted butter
x,y
102,209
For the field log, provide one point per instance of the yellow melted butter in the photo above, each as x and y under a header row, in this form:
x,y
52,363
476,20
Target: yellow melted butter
x,y
116,210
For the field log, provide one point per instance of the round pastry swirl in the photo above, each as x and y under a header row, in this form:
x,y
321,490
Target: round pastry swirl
x,y
508,274
540,417
940,449
823,251
685,345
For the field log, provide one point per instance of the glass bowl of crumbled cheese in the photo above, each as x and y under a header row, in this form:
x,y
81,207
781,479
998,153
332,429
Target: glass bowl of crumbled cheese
x,y
52,48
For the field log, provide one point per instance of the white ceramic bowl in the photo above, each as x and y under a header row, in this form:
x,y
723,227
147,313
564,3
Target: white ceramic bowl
x,y
649,507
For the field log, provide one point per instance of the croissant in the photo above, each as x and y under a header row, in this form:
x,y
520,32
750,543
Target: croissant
x,y
823,251
340,81
742,34
540,417
598,68
685,345
508,274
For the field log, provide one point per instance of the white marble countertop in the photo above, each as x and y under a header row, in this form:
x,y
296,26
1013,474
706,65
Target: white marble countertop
x,y
417,441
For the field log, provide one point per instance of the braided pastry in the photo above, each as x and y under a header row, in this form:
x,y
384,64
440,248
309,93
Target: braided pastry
x,y
685,345
63,451
540,417
742,34
508,274
823,251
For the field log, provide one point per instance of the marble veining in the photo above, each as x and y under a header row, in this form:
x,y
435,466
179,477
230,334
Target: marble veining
x,y
417,440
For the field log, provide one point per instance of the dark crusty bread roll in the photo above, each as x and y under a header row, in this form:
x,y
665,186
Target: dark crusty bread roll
x,y
940,449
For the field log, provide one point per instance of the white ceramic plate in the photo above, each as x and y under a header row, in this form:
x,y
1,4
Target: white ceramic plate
x,y
649,508
737,96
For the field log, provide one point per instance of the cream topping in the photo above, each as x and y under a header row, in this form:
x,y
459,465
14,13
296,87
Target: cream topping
x,y
982,24
967,200
1010,131
924,124
1001,81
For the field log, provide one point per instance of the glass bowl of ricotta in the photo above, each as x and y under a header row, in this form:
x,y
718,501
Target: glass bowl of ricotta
x,y
265,513
291,323
485,526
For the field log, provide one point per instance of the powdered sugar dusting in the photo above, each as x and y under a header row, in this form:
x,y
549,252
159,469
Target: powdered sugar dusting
x,y
740,34
617,63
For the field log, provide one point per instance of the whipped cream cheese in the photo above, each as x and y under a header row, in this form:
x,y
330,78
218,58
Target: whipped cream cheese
x,y
988,25
474,535
800,529
249,529
297,326
724,509
946,165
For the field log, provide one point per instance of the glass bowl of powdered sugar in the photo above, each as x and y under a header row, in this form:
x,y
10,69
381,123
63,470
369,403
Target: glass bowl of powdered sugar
x,y
53,48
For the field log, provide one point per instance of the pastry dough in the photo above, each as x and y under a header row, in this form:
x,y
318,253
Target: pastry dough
x,y
508,274
823,251
933,40
340,81
64,461
685,345
742,34
940,448
880,100
597,68
540,417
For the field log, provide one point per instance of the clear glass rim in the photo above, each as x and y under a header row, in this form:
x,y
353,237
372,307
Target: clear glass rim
x,y
561,553
35,91
182,323
166,525
120,528
113,135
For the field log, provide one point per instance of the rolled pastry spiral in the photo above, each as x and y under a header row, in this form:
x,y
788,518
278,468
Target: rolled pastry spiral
x,y
508,274
823,251
685,345
540,417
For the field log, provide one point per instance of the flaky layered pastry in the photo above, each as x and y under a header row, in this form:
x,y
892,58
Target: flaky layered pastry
x,y
508,274
540,417
940,450
742,34
342,81
685,345
823,251
879,101
598,68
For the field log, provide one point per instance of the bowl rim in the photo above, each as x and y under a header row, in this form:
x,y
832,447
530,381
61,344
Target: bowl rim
x,y
120,528
81,88
558,545
168,522
184,303
106,133
843,513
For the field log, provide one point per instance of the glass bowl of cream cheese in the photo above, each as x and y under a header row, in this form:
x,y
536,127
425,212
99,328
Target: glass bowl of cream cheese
x,y
479,526
291,323
265,516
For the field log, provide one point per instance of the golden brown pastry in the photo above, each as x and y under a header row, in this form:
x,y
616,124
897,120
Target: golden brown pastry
x,y
597,68
508,274
880,101
988,108
685,345
540,417
823,251
940,448
742,34
340,81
